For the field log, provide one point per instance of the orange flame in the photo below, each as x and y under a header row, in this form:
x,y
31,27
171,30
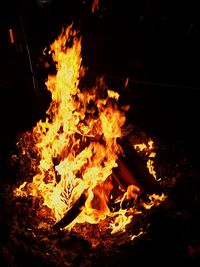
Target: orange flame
x,y
154,200
77,144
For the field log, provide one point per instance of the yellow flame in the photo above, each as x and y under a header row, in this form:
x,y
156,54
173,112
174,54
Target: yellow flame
x,y
121,221
148,148
77,144
154,200
140,147
132,237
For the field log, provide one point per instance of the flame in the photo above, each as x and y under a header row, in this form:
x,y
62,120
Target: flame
x,y
120,222
76,145
154,200
132,237
149,151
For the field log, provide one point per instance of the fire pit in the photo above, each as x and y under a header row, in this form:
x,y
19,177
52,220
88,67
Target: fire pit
x,y
88,187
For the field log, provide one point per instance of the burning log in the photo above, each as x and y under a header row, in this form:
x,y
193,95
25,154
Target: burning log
x,y
72,213
133,169
132,176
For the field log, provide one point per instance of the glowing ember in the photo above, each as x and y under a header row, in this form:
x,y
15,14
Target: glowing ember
x,y
77,145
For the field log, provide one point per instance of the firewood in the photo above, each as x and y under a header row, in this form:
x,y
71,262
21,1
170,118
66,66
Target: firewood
x,y
133,169
72,213
124,174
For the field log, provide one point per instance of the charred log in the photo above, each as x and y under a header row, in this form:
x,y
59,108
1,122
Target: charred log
x,y
124,175
71,213
133,169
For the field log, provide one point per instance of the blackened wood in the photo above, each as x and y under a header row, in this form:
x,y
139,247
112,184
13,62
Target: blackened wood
x,y
132,165
124,175
72,213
